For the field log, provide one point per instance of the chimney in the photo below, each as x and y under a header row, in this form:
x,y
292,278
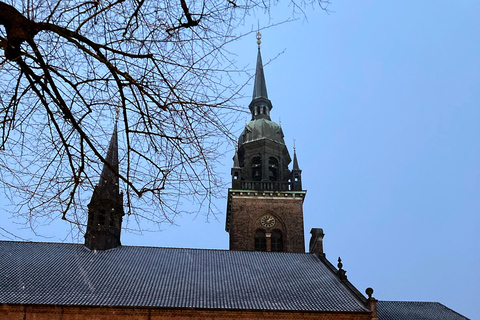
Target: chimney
x,y
372,303
316,242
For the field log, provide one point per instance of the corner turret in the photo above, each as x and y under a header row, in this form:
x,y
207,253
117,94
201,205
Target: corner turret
x,y
296,173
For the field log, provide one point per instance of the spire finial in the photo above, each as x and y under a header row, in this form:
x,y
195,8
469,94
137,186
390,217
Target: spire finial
x,y
259,35
117,113
369,292
340,272
294,148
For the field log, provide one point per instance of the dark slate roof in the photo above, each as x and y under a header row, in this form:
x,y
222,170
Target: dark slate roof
x,y
263,129
413,310
70,274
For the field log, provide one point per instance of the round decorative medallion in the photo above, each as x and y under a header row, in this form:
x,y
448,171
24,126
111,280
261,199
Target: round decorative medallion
x,y
268,221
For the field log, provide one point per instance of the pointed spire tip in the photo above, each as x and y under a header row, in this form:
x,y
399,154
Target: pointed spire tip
x,y
259,87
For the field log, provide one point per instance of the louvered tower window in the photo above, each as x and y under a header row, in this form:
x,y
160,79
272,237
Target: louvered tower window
x,y
257,169
272,169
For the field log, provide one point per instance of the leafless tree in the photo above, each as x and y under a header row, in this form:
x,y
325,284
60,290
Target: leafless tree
x,y
68,65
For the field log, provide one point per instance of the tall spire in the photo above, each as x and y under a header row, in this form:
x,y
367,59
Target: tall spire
x,y
260,106
295,161
105,210
260,87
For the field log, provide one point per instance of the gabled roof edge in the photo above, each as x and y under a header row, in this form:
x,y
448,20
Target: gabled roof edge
x,y
360,297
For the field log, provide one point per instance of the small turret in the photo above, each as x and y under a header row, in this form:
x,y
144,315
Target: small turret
x,y
296,173
236,171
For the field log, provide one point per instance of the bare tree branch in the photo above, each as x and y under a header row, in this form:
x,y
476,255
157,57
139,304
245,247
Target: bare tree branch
x,y
68,65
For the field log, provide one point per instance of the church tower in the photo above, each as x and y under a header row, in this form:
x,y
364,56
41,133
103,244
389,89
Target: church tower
x,y
265,202
105,210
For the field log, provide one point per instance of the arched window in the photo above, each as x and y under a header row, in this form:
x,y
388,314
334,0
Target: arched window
x,y
272,169
260,241
277,241
257,169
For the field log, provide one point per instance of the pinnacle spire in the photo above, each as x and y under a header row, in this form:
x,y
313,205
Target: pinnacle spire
x,y
295,161
296,172
236,163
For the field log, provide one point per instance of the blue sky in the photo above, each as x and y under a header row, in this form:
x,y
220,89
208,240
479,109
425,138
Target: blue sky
x,y
383,99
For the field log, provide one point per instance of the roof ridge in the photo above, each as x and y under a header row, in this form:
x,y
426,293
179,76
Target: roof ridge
x,y
169,248
411,301
39,242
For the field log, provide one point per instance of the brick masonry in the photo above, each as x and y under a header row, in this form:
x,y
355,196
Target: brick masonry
x,y
248,207
17,312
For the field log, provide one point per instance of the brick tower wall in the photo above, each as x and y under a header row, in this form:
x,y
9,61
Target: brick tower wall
x,y
248,207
